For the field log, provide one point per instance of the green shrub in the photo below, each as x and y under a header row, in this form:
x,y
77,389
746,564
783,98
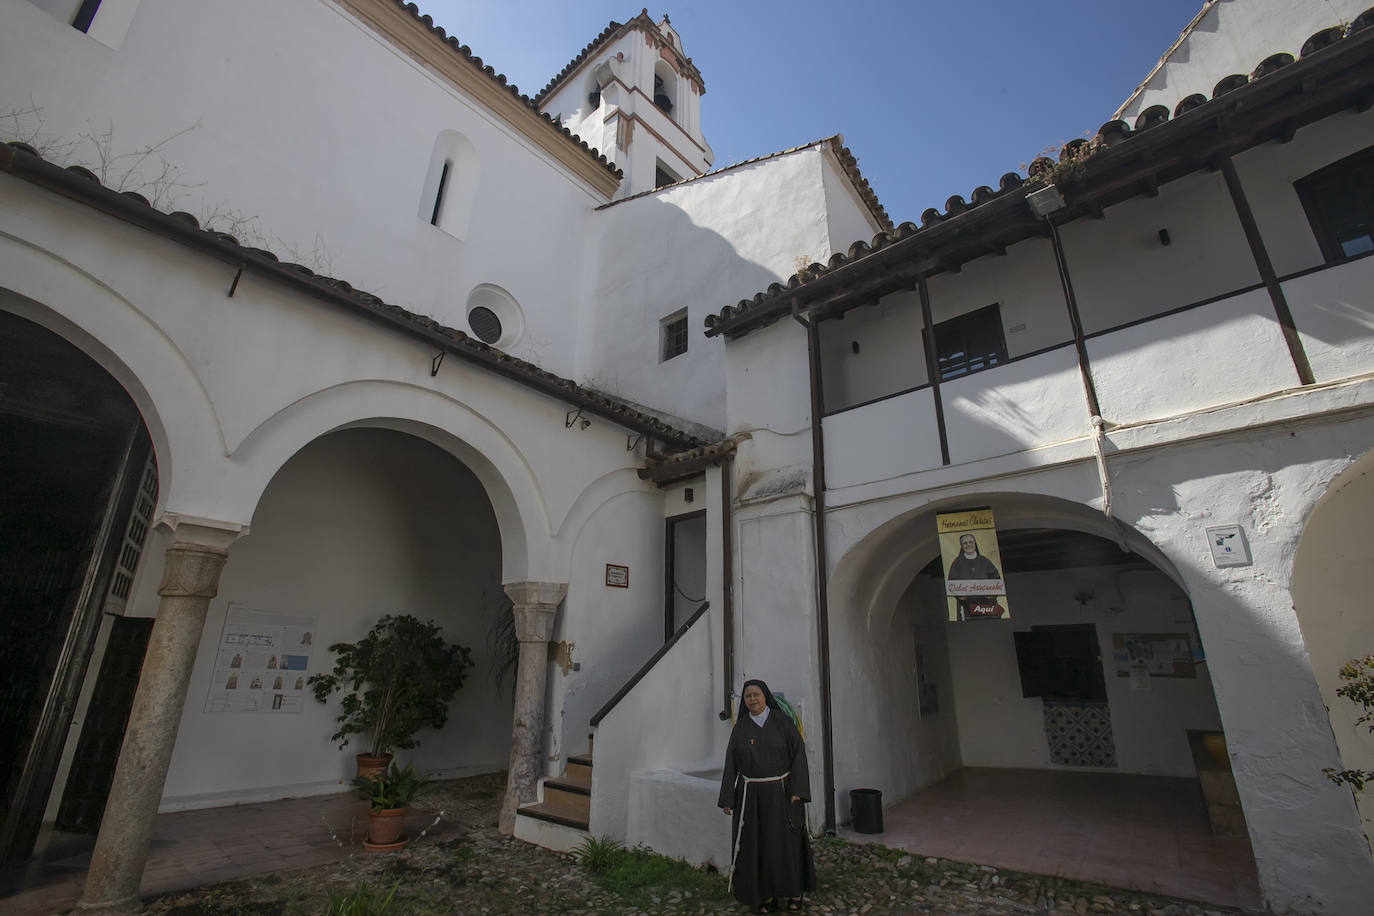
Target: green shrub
x,y
362,901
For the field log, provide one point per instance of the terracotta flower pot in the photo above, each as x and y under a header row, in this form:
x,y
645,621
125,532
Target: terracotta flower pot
x,y
370,766
384,826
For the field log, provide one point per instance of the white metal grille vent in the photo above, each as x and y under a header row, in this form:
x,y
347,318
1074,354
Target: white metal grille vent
x,y
140,519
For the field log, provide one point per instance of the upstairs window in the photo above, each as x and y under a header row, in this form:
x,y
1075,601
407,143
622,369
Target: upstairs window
x,y
663,176
673,335
970,343
1339,200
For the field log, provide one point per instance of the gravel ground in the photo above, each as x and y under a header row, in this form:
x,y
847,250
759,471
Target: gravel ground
x,y
484,872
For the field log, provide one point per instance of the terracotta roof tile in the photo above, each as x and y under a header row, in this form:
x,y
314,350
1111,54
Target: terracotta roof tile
x,y
500,79
24,162
764,308
610,33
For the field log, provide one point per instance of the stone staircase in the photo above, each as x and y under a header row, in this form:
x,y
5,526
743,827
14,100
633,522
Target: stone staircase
x,y
561,817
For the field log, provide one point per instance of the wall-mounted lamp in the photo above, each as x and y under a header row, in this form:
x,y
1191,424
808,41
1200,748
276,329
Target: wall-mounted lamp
x,y
1164,237
1045,201
854,346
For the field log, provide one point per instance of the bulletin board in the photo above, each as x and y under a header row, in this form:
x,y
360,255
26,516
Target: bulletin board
x,y
1155,654
262,662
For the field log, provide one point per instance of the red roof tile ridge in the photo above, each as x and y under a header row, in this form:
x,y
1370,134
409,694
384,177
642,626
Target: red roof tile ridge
x,y
614,30
500,79
1108,135
1164,58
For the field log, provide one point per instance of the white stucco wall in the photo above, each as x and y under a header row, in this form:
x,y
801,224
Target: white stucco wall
x,y
698,246
1333,569
292,160
359,524
912,440
1233,37
1122,272
668,721
1215,354
1001,728
1334,312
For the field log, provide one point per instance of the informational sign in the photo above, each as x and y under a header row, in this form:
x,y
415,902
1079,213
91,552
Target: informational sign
x,y
1146,655
263,662
617,576
973,564
1228,546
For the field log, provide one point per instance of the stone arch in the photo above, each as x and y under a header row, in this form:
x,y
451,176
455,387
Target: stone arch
x,y
510,484
1333,577
175,406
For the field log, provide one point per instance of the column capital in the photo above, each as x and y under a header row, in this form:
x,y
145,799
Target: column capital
x,y
534,605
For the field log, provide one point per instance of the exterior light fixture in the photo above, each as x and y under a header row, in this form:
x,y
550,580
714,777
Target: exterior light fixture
x,y
1045,201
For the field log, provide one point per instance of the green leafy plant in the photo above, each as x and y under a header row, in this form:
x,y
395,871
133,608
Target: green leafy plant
x,y
1358,674
597,854
396,788
638,873
361,901
397,679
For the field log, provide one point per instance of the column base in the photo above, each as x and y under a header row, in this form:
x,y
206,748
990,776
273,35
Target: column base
x,y
128,906
506,823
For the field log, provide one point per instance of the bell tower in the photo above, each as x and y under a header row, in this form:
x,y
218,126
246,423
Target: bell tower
x,y
635,96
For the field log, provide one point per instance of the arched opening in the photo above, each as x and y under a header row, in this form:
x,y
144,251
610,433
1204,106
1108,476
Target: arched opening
x,y
449,195
665,87
78,486
1054,738
1333,574
359,523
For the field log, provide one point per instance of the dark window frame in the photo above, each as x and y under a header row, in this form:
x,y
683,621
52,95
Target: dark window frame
x,y
1331,195
985,322
673,336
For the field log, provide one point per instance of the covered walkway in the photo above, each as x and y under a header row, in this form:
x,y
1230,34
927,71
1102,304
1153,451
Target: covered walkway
x,y
1147,833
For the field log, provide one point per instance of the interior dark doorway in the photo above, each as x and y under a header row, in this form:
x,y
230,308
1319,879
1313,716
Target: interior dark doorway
x,y
77,491
684,579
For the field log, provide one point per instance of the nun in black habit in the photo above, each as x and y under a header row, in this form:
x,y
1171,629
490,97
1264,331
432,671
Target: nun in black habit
x,y
765,786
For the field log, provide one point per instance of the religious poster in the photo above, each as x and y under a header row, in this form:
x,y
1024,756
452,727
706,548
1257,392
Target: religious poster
x,y
262,663
969,553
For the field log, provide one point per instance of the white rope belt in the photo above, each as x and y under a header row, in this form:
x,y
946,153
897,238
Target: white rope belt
x,y
739,832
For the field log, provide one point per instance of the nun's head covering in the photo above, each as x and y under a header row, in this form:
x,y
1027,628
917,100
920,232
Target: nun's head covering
x,y
767,694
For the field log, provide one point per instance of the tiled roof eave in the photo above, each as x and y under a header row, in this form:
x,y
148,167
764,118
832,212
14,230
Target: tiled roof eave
x,y
80,185
1128,163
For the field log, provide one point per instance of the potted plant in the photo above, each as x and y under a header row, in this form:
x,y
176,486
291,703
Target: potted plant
x,y
388,798
397,679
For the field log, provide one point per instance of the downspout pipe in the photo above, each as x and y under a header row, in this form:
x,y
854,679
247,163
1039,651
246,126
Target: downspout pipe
x,y
813,352
727,587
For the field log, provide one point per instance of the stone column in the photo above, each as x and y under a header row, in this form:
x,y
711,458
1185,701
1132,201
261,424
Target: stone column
x,y
535,604
190,579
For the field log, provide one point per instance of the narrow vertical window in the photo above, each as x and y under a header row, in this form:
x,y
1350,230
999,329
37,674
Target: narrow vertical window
x,y
673,335
439,194
85,15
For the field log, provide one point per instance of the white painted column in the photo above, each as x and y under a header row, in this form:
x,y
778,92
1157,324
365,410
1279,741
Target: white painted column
x,y
190,579
534,606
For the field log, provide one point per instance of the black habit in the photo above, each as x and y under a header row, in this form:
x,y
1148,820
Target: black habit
x,y
774,857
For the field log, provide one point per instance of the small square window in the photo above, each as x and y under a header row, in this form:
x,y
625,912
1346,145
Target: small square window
x,y
969,343
673,335
1339,200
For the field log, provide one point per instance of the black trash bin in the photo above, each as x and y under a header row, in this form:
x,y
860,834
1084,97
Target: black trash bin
x,y
866,805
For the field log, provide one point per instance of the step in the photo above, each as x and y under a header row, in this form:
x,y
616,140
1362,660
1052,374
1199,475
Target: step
x,y
579,768
549,830
576,776
568,799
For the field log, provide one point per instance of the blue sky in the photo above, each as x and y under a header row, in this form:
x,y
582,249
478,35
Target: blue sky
x,y
934,97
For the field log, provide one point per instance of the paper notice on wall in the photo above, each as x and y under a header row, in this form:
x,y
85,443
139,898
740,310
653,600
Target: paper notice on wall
x,y
262,662
1140,678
